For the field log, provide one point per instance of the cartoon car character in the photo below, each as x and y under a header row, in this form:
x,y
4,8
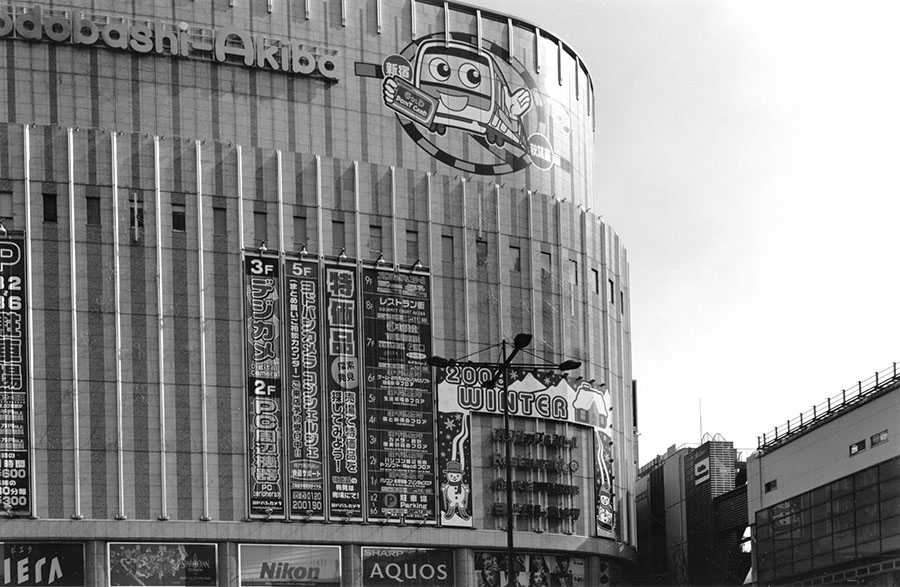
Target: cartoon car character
x,y
469,90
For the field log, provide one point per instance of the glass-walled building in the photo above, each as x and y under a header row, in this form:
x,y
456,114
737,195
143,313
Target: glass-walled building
x,y
824,491
232,233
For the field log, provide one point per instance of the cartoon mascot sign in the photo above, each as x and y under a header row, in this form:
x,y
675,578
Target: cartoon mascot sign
x,y
442,88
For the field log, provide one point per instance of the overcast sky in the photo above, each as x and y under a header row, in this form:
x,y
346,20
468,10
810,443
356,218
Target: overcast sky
x,y
748,154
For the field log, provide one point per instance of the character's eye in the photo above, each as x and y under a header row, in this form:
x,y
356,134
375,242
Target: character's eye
x,y
439,69
469,75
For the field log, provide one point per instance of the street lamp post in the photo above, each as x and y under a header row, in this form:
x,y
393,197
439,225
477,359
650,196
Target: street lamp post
x,y
520,341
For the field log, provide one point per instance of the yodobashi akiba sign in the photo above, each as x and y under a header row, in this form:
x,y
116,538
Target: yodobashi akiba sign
x,y
409,567
289,565
47,563
225,45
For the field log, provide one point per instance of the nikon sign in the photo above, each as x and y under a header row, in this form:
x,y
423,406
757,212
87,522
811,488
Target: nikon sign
x,y
225,45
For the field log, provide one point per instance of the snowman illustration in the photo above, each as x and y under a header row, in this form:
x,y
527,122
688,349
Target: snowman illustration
x,y
455,492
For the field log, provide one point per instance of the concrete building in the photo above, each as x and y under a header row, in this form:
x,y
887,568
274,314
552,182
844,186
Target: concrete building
x,y
233,231
691,506
824,491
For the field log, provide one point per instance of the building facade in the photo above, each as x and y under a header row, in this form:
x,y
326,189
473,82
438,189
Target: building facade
x,y
232,234
691,516
824,491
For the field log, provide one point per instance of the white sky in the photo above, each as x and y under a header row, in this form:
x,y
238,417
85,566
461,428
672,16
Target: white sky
x,y
748,154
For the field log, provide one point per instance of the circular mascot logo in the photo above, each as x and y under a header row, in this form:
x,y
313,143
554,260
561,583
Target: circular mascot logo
x,y
442,89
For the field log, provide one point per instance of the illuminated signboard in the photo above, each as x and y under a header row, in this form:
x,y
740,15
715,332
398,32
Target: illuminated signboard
x,y
225,45
15,469
399,405
289,565
264,386
407,567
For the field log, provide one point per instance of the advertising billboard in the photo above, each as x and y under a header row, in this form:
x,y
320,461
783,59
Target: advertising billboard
x,y
289,565
399,404
42,563
15,469
532,569
542,395
407,567
161,564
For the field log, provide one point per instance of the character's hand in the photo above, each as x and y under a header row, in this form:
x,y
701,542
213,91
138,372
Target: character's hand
x,y
519,102
389,90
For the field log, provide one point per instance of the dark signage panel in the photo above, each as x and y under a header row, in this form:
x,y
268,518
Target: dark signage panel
x,y
47,563
399,401
15,470
305,389
264,354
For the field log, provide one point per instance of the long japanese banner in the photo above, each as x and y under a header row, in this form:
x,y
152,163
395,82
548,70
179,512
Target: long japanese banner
x,y
306,450
399,404
15,469
264,355
345,489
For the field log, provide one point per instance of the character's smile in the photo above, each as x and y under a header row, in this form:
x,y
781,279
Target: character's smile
x,y
454,103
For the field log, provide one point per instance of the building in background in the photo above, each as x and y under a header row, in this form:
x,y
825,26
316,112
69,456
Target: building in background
x,y
691,508
824,491
232,232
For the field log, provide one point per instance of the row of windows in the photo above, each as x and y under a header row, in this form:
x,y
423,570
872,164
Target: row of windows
x,y
852,517
338,231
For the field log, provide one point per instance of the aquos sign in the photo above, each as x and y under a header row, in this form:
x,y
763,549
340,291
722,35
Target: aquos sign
x,y
225,45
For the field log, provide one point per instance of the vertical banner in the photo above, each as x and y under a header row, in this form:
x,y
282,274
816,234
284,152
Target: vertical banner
x,y
264,344
60,564
399,399
342,391
305,395
162,564
454,453
407,567
289,565
15,470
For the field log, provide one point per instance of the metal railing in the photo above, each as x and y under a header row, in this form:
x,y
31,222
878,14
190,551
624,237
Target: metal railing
x,y
827,409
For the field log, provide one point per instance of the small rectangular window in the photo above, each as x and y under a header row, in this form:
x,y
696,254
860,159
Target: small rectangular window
x,y
771,485
573,272
879,438
50,211
260,227
447,249
338,236
515,259
6,205
376,243
179,222
220,221
136,216
481,252
93,210
412,246
546,265
857,447
621,301
596,276
612,292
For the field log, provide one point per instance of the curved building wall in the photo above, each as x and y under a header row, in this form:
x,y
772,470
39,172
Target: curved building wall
x,y
152,155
